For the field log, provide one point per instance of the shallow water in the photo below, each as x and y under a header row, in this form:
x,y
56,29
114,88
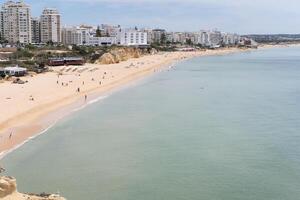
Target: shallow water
x,y
218,127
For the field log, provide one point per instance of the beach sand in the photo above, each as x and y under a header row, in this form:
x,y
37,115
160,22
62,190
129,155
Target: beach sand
x,y
28,109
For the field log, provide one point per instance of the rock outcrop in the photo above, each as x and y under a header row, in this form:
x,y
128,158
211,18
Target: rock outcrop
x,y
8,191
122,54
8,186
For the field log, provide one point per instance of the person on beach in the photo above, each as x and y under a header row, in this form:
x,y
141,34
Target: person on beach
x,y
82,82
85,97
10,135
78,89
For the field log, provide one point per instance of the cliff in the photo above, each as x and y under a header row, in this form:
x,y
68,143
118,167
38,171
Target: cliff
x,y
122,54
8,191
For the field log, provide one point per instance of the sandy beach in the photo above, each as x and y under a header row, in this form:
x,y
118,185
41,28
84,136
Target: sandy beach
x,y
28,109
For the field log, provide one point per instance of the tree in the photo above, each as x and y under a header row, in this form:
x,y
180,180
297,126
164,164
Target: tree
x,y
98,32
50,43
189,42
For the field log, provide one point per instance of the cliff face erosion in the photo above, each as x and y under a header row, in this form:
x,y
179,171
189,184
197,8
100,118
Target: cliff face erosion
x,y
8,191
122,54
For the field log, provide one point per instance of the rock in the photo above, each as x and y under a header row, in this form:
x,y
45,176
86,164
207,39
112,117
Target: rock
x,y
18,81
8,191
106,58
153,51
119,54
8,186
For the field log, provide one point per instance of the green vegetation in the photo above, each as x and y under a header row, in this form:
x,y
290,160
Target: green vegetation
x,y
98,32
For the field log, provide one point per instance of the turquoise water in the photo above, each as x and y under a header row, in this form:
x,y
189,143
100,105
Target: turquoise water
x,y
213,128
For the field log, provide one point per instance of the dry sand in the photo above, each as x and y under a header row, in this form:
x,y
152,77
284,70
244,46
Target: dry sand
x,y
24,108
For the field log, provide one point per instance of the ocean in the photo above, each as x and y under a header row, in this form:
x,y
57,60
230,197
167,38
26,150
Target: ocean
x,y
212,128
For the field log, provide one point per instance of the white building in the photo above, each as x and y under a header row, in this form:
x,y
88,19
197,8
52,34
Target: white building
x,y
203,38
110,30
101,41
85,36
50,26
132,37
73,35
209,38
16,22
215,38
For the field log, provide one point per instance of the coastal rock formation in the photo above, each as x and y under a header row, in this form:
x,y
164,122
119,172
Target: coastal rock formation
x,y
8,186
122,54
8,191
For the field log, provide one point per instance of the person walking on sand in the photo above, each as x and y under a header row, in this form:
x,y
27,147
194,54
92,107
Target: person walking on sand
x,y
10,135
78,89
85,97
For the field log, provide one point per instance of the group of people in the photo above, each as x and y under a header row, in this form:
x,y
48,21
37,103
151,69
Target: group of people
x,y
78,90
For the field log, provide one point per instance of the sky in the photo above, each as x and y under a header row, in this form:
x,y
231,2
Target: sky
x,y
237,16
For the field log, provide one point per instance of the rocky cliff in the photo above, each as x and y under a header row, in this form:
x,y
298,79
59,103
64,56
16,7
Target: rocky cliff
x,y
8,191
122,54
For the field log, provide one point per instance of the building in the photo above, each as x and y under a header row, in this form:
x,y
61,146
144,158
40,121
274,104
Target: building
x,y
50,26
203,38
73,35
16,22
15,71
35,31
215,38
2,72
101,41
1,24
230,39
132,37
157,35
65,61
84,36
110,30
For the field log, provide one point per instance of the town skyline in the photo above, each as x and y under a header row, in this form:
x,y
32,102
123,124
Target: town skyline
x,y
48,29
255,17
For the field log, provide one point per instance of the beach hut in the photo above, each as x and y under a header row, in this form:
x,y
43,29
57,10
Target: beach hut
x,y
15,71
74,61
66,61
56,62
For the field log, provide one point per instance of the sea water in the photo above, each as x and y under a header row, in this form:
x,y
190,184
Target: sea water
x,y
211,128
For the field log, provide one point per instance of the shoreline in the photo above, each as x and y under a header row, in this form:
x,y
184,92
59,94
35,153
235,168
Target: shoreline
x,y
43,115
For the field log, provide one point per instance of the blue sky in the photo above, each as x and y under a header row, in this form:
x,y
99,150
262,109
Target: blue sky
x,y
240,16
